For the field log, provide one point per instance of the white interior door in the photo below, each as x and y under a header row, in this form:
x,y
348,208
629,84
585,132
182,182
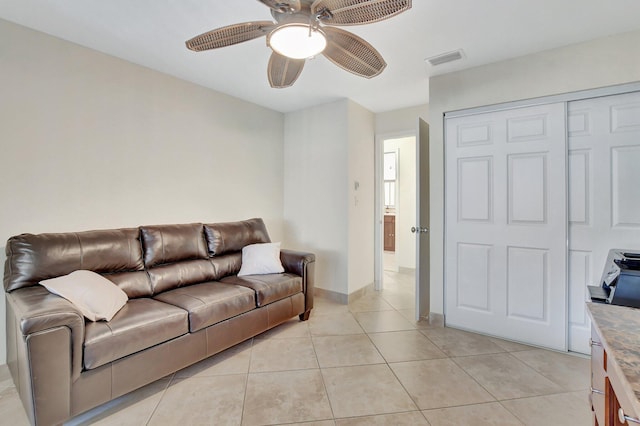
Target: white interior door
x,y
604,195
506,224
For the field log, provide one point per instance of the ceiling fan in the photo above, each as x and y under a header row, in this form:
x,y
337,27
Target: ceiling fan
x,y
304,29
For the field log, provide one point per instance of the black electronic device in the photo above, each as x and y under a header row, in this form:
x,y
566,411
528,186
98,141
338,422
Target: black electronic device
x,y
620,282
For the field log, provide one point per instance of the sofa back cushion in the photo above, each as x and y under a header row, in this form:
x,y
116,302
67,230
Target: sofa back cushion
x,y
227,264
32,258
172,243
135,284
176,256
180,274
229,237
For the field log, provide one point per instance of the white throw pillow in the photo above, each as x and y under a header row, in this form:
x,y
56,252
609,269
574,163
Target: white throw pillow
x,y
94,295
263,258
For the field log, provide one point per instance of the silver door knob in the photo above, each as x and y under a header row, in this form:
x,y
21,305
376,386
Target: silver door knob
x,y
419,230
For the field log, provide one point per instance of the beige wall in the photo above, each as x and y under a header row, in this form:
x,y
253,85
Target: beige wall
x,y
598,63
361,202
327,149
88,141
400,121
315,189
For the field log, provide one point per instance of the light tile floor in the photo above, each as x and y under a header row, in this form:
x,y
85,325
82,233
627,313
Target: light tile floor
x,y
367,363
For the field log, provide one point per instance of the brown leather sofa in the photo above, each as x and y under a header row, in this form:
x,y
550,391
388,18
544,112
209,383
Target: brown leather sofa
x,y
185,304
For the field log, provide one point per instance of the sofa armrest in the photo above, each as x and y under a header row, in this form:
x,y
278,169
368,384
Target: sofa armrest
x,y
303,264
295,261
36,311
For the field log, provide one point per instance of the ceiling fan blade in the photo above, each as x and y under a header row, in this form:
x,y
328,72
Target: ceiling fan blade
x,y
283,71
353,54
227,36
356,12
283,6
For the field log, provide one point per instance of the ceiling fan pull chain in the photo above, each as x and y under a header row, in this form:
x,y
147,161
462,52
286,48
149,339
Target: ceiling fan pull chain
x,y
314,24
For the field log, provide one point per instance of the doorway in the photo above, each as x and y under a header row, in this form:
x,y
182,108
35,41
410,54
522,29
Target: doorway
x,y
397,207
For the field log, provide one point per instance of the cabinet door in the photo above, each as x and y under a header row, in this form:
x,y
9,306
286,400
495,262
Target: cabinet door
x,y
618,401
598,376
389,233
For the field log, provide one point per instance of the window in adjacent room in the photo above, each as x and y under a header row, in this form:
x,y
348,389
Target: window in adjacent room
x,y
390,176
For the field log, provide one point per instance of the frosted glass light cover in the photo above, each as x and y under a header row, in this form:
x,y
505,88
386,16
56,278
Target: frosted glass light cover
x,y
296,41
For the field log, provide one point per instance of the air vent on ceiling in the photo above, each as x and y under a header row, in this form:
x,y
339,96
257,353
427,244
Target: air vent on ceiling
x,y
445,57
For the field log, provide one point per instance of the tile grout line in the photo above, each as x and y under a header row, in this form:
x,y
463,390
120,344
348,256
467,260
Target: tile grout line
x,y
324,385
453,359
246,382
512,413
393,372
449,358
164,392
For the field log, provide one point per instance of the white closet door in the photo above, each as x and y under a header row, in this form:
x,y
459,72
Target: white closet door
x,y
604,195
506,224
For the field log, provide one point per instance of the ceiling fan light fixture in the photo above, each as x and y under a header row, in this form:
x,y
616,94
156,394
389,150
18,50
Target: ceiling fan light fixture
x,y
297,41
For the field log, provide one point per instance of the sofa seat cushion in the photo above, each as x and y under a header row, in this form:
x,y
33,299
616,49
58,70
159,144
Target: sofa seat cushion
x,y
211,302
140,324
270,287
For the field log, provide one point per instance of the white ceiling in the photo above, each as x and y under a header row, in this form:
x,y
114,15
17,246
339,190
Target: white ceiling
x,y
152,33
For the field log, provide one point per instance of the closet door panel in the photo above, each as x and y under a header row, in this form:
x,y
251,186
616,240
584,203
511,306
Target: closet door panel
x,y
527,181
506,193
473,277
505,267
474,189
604,195
625,186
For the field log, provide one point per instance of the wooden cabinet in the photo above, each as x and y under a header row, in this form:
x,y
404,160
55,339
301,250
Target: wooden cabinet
x,y
615,364
609,396
618,405
613,407
389,233
598,376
